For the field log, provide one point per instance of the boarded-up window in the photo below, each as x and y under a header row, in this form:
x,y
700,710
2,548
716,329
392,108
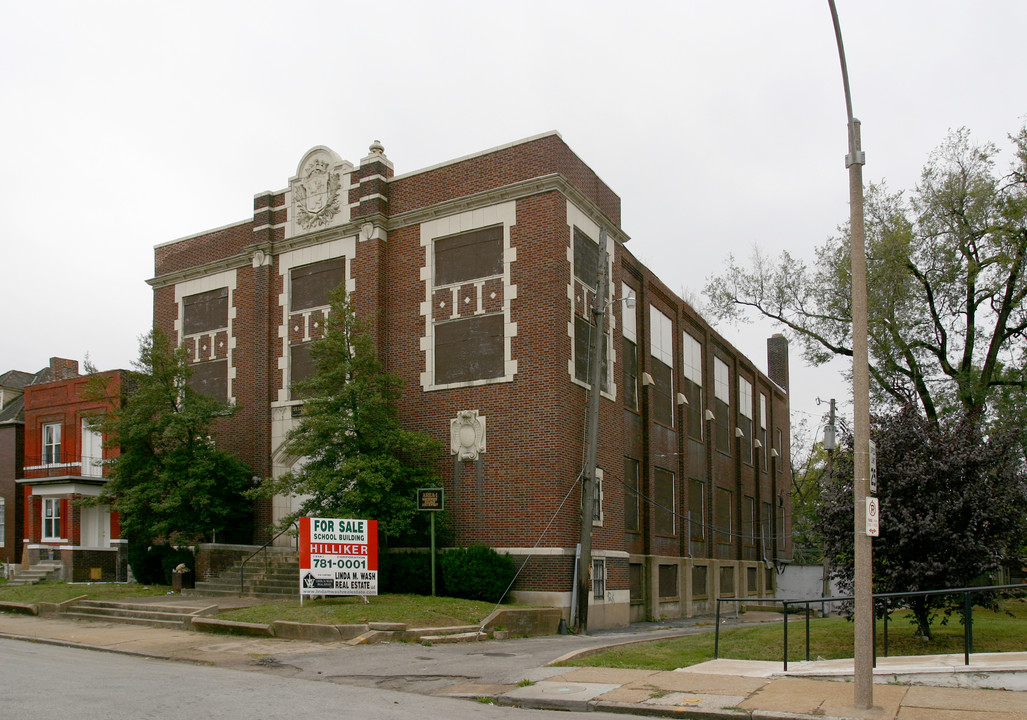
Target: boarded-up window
x,y
312,284
699,575
663,393
692,369
661,347
205,311
723,519
668,581
765,452
301,364
664,497
469,349
210,378
697,508
727,581
586,259
636,582
469,255
745,418
630,365
748,528
721,403
631,498
583,349
751,581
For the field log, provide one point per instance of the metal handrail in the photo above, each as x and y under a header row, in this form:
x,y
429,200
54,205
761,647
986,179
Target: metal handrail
x,y
264,547
786,603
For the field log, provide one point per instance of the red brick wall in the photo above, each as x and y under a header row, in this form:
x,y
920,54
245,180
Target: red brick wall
x,y
535,423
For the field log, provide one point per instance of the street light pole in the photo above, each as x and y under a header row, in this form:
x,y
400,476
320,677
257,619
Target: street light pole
x,y
588,474
863,609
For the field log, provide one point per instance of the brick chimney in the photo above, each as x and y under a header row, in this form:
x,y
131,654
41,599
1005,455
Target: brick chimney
x,y
777,359
62,368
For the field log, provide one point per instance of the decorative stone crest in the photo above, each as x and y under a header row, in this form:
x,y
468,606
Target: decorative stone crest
x,y
467,435
316,195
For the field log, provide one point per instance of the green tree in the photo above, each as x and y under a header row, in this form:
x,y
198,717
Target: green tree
x,y
354,457
946,287
171,482
951,503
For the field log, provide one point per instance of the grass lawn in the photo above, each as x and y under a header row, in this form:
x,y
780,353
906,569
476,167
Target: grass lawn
x,y
59,592
414,610
829,638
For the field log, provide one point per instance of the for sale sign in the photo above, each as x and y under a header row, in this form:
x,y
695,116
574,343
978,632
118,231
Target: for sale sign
x,y
338,556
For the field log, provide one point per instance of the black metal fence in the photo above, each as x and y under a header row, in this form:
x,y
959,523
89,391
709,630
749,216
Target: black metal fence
x,y
886,599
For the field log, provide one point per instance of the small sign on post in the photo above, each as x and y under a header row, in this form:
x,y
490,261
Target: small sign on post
x,y
873,517
432,500
872,487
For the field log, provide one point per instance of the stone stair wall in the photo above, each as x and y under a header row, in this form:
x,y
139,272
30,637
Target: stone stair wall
x,y
40,572
151,614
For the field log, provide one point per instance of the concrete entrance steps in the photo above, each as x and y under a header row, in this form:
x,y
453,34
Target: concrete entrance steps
x,y
277,578
41,572
152,614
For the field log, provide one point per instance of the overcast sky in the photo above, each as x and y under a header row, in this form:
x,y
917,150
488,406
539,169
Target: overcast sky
x,y
721,125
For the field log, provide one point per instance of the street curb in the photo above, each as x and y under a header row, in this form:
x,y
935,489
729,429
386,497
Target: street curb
x,y
585,652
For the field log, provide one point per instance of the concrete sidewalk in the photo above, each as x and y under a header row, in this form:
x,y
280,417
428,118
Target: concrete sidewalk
x,y
736,688
716,689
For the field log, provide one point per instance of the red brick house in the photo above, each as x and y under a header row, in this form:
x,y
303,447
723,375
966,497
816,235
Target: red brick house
x,y
64,462
478,274
12,451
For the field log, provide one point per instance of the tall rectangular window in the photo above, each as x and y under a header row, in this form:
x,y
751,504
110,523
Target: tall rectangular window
x,y
691,365
779,447
51,443
632,519
630,361
749,521
721,404
469,327
583,352
724,521
697,509
663,491
586,259
745,418
51,518
765,452
661,344
3,521
598,579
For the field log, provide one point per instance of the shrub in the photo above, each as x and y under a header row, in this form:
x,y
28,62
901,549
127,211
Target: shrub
x,y
153,565
477,573
408,573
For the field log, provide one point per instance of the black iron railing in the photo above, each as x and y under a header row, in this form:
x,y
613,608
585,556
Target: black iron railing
x,y
882,598
262,549
59,464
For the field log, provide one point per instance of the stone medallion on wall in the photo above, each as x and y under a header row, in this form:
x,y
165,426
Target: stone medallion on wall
x,y
319,192
467,435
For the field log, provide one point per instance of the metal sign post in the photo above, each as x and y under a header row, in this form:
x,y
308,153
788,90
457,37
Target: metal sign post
x,y
432,500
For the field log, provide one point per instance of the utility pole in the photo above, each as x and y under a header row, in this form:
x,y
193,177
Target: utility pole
x,y
863,606
588,474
